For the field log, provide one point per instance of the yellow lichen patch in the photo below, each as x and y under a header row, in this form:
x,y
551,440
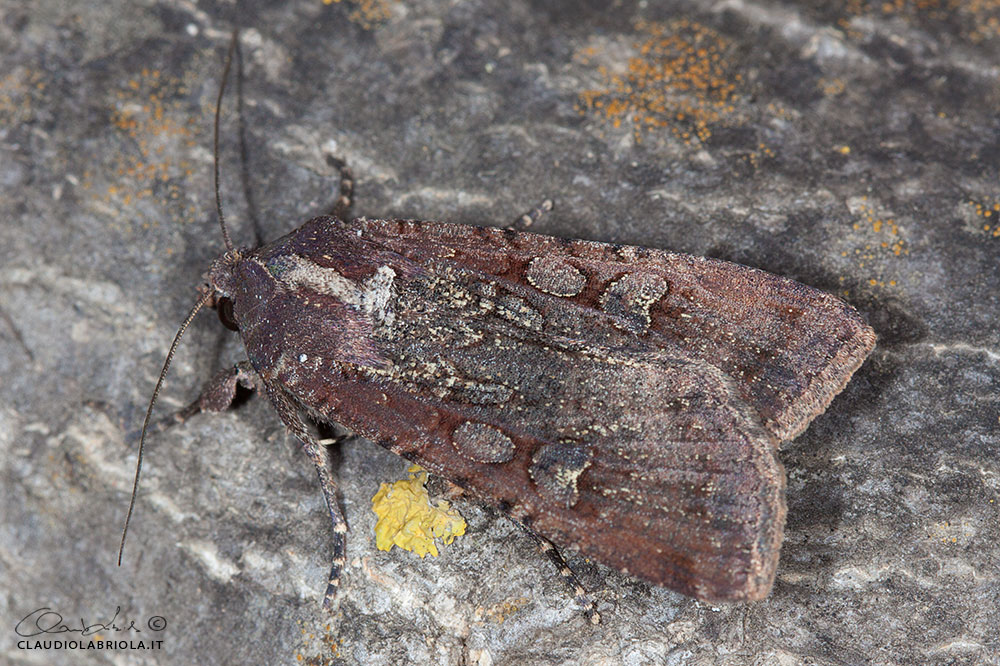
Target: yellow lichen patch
x,y
366,13
679,79
407,519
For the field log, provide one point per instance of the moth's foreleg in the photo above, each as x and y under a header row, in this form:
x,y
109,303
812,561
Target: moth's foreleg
x,y
342,207
292,419
216,396
522,222
579,592
580,595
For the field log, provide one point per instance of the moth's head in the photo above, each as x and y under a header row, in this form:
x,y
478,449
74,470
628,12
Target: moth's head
x,y
221,274
221,279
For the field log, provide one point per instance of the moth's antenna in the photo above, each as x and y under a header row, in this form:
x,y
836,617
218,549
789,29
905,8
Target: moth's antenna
x,y
244,151
215,151
149,411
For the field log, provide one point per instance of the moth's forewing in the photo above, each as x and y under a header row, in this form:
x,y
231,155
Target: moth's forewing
x,y
789,348
623,401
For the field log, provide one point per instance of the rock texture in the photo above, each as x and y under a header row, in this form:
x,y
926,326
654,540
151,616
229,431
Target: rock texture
x,y
852,146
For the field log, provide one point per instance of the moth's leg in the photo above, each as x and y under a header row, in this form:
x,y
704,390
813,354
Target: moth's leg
x,y
579,592
292,419
453,492
16,332
529,218
216,396
342,207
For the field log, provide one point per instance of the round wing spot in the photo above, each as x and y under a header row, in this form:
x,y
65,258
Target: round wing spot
x,y
482,443
556,468
631,296
555,276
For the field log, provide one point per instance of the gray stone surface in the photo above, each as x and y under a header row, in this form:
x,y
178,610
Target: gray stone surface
x,y
849,149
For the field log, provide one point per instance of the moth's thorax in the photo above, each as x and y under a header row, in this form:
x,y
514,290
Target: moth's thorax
x,y
318,301
367,295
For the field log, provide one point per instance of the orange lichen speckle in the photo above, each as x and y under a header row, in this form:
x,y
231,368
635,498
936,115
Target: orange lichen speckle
x,y
991,212
20,94
878,238
832,87
146,116
321,647
366,13
949,532
979,20
680,78
499,613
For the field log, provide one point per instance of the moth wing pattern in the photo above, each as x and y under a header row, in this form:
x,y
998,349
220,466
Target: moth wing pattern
x,y
622,401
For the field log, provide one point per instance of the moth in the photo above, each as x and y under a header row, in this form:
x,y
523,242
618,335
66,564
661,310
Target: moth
x,y
621,401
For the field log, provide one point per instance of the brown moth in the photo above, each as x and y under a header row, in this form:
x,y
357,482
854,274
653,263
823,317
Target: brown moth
x,y
621,401
625,401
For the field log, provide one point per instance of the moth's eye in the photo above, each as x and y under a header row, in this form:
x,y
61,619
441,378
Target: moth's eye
x,y
225,309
